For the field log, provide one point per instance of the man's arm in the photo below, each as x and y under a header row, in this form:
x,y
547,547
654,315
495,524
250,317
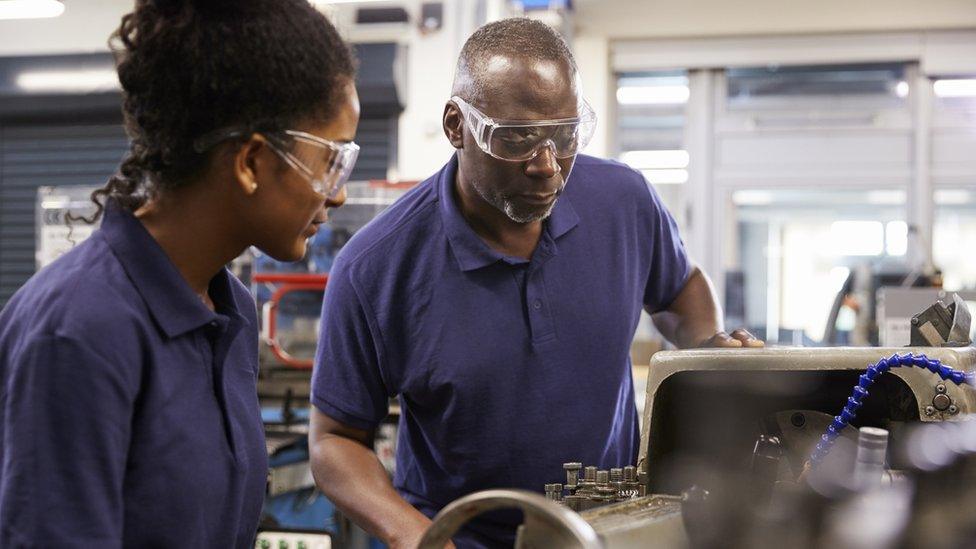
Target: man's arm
x,y
694,318
349,473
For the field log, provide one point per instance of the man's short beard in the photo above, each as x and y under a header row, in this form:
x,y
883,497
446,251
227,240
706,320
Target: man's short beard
x,y
508,208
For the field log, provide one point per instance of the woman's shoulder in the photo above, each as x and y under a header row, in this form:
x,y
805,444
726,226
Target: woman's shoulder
x,y
85,294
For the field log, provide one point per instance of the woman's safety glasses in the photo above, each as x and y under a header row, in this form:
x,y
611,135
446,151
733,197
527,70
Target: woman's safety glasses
x,y
323,163
523,140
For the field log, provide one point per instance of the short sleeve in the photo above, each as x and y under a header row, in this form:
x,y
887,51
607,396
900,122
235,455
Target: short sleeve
x,y
669,263
347,383
67,412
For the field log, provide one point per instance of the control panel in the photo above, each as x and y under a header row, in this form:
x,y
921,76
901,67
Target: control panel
x,y
270,539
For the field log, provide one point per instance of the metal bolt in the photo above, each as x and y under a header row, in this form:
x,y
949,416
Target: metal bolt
x,y
941,402
589,474
630,473
572,473
915,320
953,409
940,388
929,410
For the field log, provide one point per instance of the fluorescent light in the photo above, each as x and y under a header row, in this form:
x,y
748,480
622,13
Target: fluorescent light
x,y
327,2
663,159
901,89
30,9
858,238
952,197
752,198
663,177
886,198
68,81
652,95
956,88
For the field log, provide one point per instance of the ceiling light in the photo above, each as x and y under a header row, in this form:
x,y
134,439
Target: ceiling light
x,y
901,89
327,2
753,198
956,88
30,9
952,197
68,81
652,95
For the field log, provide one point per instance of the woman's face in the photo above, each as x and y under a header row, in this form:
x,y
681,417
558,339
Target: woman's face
x,y
290,210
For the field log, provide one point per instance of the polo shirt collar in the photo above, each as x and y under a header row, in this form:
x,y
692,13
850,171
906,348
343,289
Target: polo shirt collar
x,y
174,306
469,249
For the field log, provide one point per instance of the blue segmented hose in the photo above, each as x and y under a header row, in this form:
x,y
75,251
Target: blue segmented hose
x,y
867,379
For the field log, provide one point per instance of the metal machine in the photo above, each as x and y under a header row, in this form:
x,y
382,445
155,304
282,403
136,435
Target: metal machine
x,y
762,447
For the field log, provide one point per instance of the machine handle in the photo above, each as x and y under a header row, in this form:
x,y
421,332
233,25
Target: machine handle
x,y
546,524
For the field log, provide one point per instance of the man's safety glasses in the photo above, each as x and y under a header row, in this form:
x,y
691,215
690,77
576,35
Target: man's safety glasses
x,y
523,140
323,163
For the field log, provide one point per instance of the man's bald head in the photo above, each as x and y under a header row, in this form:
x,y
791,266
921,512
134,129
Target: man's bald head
x,y
516,38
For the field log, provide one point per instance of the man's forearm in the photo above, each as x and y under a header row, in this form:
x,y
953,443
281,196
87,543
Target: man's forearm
x,y
352,477
695,314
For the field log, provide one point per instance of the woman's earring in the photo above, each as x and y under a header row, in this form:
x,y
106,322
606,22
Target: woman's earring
x,y
254,186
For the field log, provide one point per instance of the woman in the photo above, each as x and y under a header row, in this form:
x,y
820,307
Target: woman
x,y
128,408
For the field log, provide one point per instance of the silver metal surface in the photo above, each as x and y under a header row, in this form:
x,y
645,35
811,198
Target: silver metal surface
x,y
650,522
896,307
872,448
922,383
546,523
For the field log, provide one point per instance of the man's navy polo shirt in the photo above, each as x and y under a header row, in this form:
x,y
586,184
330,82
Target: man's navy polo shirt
x,y
505,368
128,410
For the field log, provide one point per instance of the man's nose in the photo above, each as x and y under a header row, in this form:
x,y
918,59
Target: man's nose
x,y
543,165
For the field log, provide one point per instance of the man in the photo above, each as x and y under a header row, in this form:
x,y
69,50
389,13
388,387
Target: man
x,y
499,303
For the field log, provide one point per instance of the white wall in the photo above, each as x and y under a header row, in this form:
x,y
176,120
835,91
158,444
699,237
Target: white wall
x,y
601,23
670,18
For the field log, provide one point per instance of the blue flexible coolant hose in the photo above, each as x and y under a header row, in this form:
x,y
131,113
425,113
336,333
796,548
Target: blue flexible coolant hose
x,y
867,379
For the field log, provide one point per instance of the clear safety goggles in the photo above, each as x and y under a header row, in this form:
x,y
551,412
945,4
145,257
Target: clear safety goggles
x,y
523,140
323,163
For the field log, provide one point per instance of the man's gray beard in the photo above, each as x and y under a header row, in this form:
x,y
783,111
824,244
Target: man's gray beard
x,y
508,208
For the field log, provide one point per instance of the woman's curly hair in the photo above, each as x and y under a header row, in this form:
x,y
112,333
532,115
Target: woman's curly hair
x,y
190,67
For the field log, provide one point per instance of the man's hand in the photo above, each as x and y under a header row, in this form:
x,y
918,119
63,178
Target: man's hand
x,y
348,472
737,339
411,540
694,319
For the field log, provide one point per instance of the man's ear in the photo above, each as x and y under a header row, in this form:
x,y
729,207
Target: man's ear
x,y
453,123
248,162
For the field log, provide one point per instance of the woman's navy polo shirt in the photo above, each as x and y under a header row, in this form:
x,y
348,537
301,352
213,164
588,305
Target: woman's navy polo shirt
x,y
128,411
505,368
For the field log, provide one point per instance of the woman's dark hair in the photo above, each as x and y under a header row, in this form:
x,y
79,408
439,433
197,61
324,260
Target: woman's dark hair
x,y
190,67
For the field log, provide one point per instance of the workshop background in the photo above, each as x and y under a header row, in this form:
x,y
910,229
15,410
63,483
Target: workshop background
x,y
818,157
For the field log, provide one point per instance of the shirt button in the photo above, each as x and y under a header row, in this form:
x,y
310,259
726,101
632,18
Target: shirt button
x,y
537,304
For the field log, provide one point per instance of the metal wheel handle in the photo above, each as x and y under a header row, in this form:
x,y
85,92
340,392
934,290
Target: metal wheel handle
x,y
546,524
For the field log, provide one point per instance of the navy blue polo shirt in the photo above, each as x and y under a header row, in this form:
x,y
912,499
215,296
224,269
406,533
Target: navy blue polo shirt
x,y
128,411
505,368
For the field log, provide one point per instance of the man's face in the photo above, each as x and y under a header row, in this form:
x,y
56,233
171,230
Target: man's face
x,y
521,89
